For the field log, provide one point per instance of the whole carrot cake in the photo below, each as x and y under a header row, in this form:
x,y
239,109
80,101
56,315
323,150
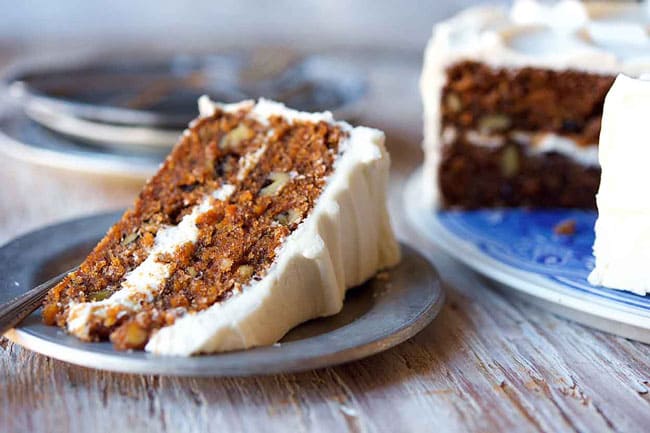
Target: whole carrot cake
x,y
513,100
260,218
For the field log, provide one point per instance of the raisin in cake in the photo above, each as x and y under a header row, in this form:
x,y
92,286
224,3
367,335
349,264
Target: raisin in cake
x,y
622,246
260,219
513,100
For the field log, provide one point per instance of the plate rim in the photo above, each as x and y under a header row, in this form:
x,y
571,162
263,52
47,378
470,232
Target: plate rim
x,y
545,290
106,134
92,163
267,359
14,85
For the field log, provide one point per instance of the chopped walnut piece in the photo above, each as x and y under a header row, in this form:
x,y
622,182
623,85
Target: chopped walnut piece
x,y
493,123
100,295
130,335
130,238
565,228
245,272
509,161
454,103
225,264
278,180
288,217
49,314
235,137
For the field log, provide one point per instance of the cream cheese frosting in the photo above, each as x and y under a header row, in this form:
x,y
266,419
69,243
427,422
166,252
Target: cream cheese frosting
x,y
536,143
622,245
596,37
546,142
345,240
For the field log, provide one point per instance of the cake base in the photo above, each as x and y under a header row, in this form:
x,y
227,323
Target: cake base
x,y
472,177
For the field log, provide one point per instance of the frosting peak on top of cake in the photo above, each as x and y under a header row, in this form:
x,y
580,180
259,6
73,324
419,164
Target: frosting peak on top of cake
x,y
598,37
265,108
568,14
622,246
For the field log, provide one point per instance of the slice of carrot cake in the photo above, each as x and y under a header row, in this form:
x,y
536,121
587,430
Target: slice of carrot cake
x,y
260,219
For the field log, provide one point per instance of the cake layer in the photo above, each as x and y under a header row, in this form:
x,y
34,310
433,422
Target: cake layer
x,y
508,173
499,100
218,220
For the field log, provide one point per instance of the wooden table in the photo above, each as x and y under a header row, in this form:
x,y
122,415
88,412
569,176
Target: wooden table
x,y
488,363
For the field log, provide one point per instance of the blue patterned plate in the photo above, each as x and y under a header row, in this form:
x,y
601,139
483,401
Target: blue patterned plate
x,y
520,249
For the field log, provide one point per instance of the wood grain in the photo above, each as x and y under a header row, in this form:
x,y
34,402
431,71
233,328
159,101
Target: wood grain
x,y
488,363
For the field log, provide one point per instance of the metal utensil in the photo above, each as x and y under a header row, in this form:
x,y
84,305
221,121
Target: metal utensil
x,y
14,311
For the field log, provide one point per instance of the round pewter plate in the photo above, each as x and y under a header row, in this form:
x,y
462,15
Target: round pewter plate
x,y
25,140
376,316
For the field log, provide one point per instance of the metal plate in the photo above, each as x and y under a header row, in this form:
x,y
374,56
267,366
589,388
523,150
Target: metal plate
x,y
134,138
376,316
119,115
519,249
26,140
142,91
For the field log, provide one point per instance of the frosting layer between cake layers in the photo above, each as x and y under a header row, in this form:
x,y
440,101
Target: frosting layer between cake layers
x,y
148,278
594,38
622,246
342,243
